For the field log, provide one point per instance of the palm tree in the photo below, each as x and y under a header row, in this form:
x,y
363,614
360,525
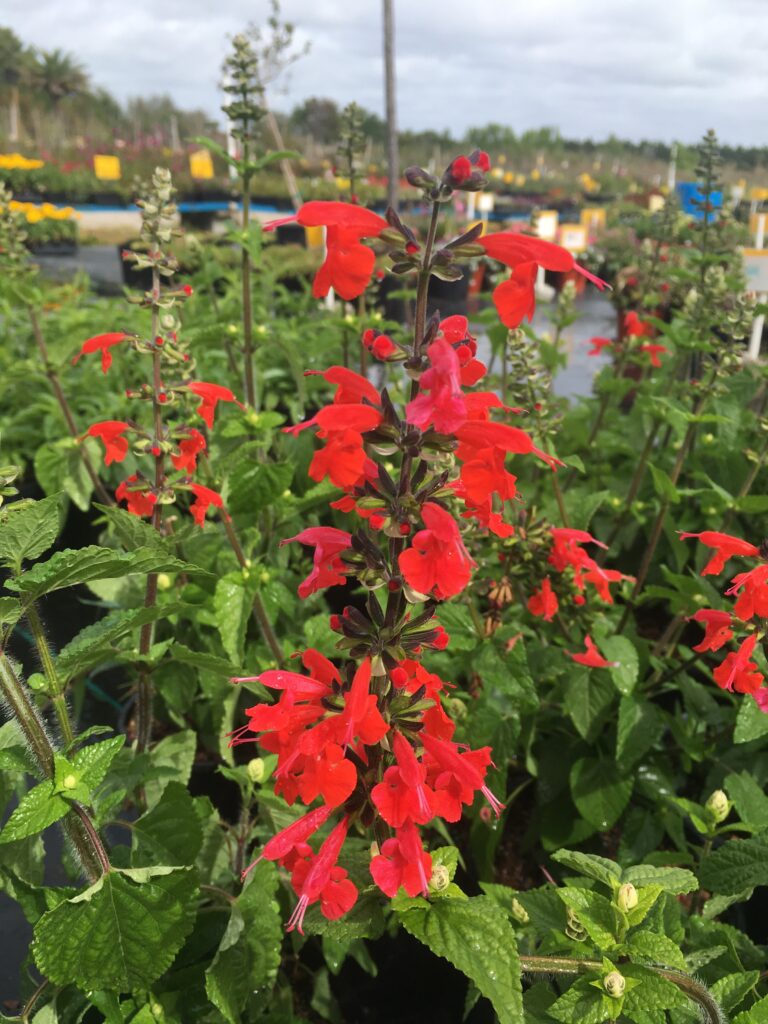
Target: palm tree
x,y
13,60
55,76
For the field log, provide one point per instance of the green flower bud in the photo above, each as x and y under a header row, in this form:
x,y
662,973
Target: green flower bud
x,y
519,912
440,879
69,781
164,581
719,806
626,897
614,984
255,769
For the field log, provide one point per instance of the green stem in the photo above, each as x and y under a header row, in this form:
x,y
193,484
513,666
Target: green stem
x,y
693,989
245,272
634,487
31,1003
55,689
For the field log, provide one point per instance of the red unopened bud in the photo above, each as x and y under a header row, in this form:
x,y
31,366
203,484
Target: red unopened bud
x,y
461,169
482,161
393,585
399,677
383,347
159,341
442,639
369,336
188,289
380,275
186,357
156,451
412,247
377,521
335,623
162,397
405,529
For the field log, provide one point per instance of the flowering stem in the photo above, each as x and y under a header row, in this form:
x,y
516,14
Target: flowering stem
x,y
634,487
79,827
55,690
145,689
693,989
245,274
422,289
66,411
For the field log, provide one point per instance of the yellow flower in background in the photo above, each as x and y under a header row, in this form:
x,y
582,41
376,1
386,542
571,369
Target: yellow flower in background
x,y
34,213
17,162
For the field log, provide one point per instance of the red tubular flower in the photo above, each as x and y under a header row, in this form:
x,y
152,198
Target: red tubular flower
x,y
140,501
737,672
523,254
634,327
101,343
476,434
460,170
403,794
654,351
402,863
598,344
725,546
282,846
440,401
351,387
437,563
543,603
717,629
204,498
111,433
360,719
320,879
591,656
328,567
753,596
189,449
456,776
211,395
348,263
455,330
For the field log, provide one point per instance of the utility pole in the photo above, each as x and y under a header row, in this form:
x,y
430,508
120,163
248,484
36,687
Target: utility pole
x,y
393,158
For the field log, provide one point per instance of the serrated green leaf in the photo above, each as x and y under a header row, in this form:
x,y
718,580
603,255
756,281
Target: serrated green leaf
x,y
751,722
59,467
203,661
232,604
169,833
749,799
623,651
28,528
653,991
639,726
174,755
132,532
736,865
10,611
122,933
600,868
662,482
94,760
588,698
249,953
40,807
581,1004
669,879
731,990
254,486
756,1014
602,919
599,791
650,947
476,937
72,566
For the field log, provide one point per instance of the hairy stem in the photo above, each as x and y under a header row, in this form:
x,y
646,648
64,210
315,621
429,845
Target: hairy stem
x,y
55,689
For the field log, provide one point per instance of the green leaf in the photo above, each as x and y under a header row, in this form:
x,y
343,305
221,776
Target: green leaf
x,y
232,604
731,990
622,650
10,611
653,992
600,868
602,920
737,865
59,467
169,833
650,947
756,1014
477,938
122,933
40,807
639,726
599,791
588,698
249,953
749,799
581,1004
751,722
205,662
254,486
94,760
69,567
173,756
672,880
665,489
28,528
131,531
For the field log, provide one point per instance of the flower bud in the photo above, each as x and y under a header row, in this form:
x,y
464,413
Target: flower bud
x,y
614,984
164,581
440,879
519,912
719,806
626,897
255,769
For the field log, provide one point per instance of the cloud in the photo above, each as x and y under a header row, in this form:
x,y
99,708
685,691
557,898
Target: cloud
x,y
652,69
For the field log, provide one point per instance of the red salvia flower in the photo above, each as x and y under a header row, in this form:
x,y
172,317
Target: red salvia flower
x,y
437,563
328,567
139,500
591,656
348,263
320,879
101,343
211,395
543,603
598,344
402,863
204,498
403,793
189,448
752,588
111,433
737,672
440,401
282,846
634,327
456,776
717,629
654,351
725,546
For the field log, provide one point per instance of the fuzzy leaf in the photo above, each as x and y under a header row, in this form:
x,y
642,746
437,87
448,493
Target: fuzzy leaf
x,y
600,868
588,698
28,528
169,833
122,933
736,865
173,756
477,938
650,947
40,807
602,920
671,880
94,760
749,799
751,722
731,990
232,604
599,791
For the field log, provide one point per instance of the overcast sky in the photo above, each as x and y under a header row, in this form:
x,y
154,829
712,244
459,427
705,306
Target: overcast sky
x,y
659,69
